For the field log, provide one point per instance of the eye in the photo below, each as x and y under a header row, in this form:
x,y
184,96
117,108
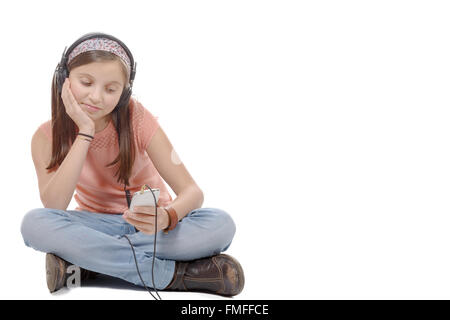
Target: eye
x,y
87,84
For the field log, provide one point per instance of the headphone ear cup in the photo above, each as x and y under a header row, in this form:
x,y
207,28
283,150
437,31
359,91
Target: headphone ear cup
x,y
61,75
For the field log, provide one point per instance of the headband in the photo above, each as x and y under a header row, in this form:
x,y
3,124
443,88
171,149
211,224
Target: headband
x,y
103,44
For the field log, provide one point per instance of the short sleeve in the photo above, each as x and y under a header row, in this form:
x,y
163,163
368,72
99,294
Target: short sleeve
x,y
145,125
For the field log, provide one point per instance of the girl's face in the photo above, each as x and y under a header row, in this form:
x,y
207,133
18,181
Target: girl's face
x,y
97,88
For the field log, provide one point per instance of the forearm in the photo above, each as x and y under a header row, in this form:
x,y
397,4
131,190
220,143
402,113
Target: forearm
x,y
189,199
59,190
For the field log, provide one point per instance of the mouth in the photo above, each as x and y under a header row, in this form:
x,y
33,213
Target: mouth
x,y
91,107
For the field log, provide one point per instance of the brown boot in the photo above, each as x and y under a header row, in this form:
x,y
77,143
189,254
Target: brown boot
x,y
221,274
56,269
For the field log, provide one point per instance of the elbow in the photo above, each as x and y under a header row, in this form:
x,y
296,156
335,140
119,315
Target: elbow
x,y
52,204
196,193
55,206
44,201
202,197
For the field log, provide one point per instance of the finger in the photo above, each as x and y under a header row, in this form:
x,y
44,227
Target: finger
x,y
144,209
65,84
63,88
66,87
70,94
145,227
64,94
65,101
131,220
143,217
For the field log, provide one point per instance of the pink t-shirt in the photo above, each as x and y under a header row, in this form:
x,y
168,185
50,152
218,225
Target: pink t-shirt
x,y
97,189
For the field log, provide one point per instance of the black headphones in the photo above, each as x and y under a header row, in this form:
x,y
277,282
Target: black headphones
x,y
62,72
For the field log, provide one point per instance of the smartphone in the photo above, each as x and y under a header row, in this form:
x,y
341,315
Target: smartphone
x,y
144,198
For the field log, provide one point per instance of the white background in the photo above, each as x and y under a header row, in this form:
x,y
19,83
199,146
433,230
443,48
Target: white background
x,y
320,126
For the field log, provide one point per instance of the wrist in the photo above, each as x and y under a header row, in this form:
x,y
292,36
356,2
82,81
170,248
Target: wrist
x,y
173,218
167,220
87,130
84,136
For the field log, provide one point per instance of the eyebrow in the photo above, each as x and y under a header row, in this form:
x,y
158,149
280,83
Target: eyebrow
x,y
111,82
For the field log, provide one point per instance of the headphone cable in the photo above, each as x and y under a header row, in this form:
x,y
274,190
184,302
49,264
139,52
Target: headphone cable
x,y
154,247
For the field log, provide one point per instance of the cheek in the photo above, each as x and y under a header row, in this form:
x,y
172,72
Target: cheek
x,y
109,102
113,100
77,91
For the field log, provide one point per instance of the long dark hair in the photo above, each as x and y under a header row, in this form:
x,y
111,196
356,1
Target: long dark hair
x,y
64,129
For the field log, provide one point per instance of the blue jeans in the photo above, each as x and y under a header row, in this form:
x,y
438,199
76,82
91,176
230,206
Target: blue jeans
x,y
96,242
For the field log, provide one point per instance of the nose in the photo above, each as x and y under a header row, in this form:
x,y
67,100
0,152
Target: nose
x,y
95,94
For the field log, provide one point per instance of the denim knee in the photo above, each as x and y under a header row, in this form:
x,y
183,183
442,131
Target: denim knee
x,y
222,227
33,225
208,232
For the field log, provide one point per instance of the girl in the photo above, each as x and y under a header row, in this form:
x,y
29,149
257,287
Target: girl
x,y
105,145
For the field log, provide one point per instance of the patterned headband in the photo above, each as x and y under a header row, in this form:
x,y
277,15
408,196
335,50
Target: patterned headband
x,y
103,44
